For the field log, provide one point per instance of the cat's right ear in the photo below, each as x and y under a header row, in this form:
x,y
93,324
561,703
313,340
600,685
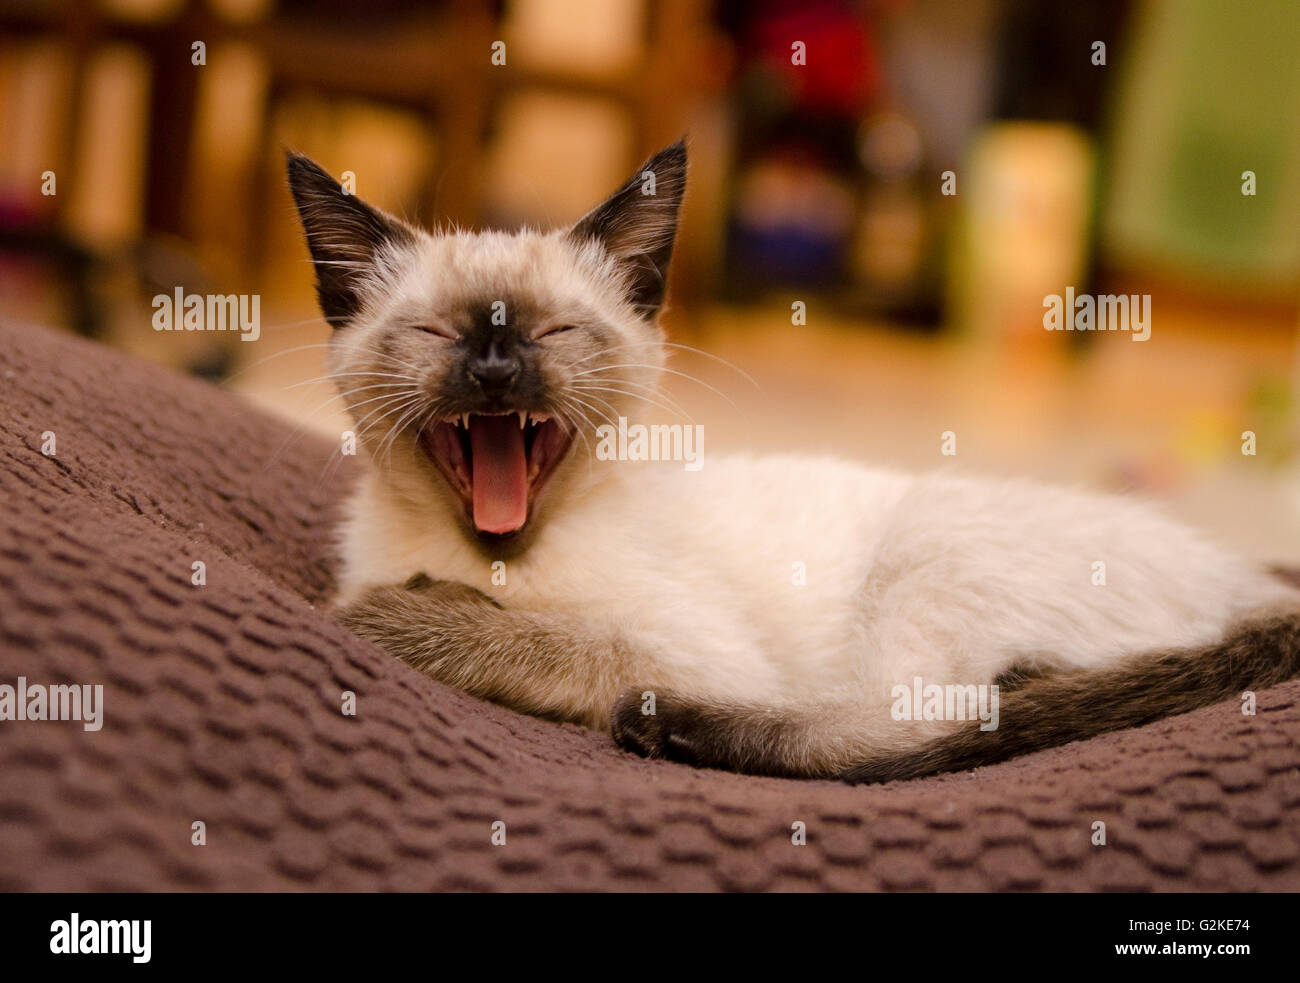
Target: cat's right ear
x,y
637,225
344,235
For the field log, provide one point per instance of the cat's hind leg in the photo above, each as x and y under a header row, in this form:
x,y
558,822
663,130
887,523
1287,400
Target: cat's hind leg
x,y
864,742
809,740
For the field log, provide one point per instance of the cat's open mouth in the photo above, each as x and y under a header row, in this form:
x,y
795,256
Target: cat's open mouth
x,y
497,464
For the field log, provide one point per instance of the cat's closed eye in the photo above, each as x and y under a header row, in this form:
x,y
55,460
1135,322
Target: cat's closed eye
x,y
553,329
441,330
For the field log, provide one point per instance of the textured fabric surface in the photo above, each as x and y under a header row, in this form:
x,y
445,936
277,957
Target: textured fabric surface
x,y
222,705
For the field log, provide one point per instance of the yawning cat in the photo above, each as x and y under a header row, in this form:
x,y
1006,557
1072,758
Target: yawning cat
x,y
490,547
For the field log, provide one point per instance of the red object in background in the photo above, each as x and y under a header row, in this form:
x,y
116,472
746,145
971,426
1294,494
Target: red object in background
x,y
19,211
841,74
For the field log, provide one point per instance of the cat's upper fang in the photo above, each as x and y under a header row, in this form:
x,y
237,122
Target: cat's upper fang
x,y
527,418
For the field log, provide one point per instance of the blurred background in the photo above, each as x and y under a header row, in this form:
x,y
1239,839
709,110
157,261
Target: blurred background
x,y
882,194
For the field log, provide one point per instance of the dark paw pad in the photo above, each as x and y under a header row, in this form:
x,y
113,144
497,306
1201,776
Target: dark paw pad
x,y
666,733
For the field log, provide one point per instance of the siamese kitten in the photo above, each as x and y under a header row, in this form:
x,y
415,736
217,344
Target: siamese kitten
x,y
489,547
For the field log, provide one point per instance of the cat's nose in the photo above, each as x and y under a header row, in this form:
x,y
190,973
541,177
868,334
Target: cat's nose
x,y
494,371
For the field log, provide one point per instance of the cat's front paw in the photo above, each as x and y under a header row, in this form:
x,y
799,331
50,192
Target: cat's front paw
x,y
385,614
446,591
656,724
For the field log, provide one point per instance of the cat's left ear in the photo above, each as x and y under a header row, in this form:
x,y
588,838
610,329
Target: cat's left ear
x,y
344,235
637,225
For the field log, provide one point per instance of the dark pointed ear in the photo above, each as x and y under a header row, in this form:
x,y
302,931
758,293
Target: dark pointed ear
x,y
344,235
637,225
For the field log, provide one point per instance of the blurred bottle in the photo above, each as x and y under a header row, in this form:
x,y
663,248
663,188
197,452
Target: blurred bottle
x,y
1025,230
892,263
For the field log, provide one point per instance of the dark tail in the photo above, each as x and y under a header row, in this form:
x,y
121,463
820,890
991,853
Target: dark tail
x,y
1054,710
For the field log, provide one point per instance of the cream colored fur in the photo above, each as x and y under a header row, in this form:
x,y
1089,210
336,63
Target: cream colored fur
x,y
686,579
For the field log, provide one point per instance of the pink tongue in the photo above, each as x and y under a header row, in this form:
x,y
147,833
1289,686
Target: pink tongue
x,y
500,473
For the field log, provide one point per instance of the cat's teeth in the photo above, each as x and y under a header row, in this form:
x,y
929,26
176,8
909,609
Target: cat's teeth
x,y
537,418
463,421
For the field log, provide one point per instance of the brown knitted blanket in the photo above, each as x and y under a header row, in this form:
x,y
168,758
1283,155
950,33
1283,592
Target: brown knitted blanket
x,y
222,705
